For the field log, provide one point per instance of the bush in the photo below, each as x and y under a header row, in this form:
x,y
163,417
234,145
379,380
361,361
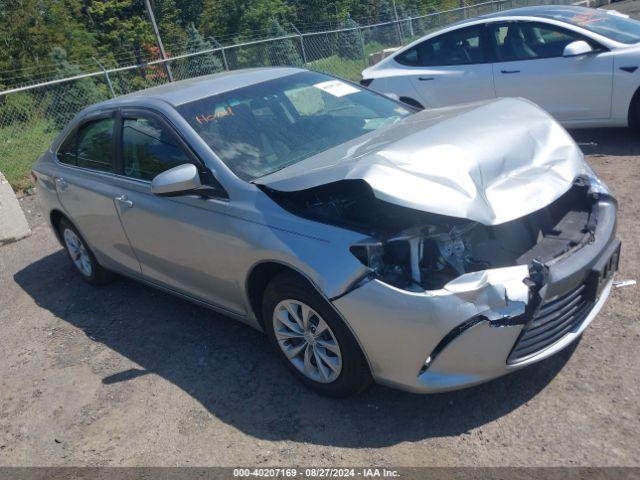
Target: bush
x,y
282,52
16,107
349,42
68,98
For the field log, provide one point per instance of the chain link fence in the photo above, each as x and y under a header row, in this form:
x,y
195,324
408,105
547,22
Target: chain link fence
x,y
31,116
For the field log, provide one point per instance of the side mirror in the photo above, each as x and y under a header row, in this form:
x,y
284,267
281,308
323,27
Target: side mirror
x,y
181,180
577,48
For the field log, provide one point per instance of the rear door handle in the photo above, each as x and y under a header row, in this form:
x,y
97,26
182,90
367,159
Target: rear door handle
x,y
426,79
61,183
124,200
510,71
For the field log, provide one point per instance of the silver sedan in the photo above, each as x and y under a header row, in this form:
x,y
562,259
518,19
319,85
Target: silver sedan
x,y
427,250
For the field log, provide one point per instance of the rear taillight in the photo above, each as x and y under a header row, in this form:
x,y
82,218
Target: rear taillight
x,y
34,177
365,82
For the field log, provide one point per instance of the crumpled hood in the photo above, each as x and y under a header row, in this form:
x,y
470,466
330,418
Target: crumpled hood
x,y
489,162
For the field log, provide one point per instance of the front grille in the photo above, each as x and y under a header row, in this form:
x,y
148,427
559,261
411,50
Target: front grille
x,y
553,320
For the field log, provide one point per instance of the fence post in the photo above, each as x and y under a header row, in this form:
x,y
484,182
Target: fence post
x,y
224,56
106,76
304,54
397,22
364,53
156,32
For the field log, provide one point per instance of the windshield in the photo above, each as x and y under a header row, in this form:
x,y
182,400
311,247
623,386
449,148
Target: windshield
x,y
610,25
262,128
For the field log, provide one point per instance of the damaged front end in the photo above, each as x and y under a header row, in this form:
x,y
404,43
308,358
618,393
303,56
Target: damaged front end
x,y
465,301
416,251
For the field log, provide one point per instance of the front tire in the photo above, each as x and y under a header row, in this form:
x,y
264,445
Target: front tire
x,y
312,339
81,255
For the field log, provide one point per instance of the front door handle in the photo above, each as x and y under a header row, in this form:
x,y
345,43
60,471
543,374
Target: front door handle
x,y
124,200
510,71
426,79
61,183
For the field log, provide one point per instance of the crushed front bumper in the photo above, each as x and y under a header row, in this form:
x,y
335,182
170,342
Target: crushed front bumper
x,y
483,324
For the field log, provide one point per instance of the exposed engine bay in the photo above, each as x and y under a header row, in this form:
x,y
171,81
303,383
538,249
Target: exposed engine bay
x,y
417,251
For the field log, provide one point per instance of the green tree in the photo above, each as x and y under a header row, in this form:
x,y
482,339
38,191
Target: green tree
x,y
244,19
28,30
349,44
122,29
190,11
386,34
281,52
68,98
169,19
201,64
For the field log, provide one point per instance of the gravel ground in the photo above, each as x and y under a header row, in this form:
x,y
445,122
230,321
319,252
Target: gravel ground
x,y
126,375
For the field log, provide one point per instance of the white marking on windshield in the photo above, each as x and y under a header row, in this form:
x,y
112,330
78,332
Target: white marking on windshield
x,y
336,88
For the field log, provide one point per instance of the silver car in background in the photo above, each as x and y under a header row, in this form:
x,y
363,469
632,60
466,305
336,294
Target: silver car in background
x,y
428,250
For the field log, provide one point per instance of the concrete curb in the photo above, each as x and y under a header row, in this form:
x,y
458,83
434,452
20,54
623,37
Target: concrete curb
x,y
13,225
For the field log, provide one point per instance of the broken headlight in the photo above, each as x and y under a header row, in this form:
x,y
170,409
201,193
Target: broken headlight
x,y
420,258
369,254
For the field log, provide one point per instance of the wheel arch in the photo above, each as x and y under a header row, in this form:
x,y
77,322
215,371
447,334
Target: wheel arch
x,y
259,277
633,116
55,216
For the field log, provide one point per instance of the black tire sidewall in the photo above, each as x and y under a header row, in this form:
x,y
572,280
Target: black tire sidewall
x,y
355,375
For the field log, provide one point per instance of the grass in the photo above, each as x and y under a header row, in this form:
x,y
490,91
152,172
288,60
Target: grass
x,y
343,67
20,146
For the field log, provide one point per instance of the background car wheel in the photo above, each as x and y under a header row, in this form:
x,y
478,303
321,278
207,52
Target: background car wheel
x,y
312,339
81,255
634,112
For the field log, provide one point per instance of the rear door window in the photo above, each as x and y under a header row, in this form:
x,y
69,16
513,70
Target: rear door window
x,y
458,47
92,146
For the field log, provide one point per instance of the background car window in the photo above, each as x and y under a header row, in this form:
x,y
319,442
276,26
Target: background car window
x,y
530,40
460,47
408,57
149,148
91,147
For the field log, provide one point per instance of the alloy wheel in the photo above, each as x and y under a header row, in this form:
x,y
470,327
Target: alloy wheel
x,y
78,252
307,341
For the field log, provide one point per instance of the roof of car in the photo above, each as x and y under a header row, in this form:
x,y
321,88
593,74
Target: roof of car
x,y
542,11
185,91
537,11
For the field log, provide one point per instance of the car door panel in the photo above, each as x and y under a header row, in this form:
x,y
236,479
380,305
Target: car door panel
x,y
574,88
181,242
443,86
570,88
87,196
447,69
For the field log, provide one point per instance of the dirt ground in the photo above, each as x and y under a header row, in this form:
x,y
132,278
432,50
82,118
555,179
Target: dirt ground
x,y
126,375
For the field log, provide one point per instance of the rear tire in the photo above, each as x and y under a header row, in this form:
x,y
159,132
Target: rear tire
x,y
81,255
320,349
634,112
